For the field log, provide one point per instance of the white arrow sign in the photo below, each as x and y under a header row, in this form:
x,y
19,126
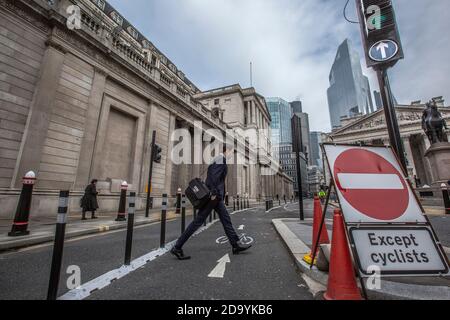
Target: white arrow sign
x,y
382,48
219,270
241,227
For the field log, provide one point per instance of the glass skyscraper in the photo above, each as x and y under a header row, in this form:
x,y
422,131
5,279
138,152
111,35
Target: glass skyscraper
x,y
281,114
349,93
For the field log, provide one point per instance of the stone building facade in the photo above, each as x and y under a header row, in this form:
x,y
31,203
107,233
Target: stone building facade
x,y
82,104
245,111
371,129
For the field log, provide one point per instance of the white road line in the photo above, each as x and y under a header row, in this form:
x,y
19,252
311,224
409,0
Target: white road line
x,y
219,270
370,181
241,227
106,279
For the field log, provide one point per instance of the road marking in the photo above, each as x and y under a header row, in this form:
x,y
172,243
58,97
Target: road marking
x,y
106,279
370,181
241,227
219,270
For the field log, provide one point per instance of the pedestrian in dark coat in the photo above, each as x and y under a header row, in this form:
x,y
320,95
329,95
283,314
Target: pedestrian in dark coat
x,y
89,201
217,173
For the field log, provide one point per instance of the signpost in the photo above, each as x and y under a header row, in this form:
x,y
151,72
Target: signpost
x,y
386,224
382,45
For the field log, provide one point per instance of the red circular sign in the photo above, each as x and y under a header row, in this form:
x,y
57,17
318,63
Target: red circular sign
x,y
369,183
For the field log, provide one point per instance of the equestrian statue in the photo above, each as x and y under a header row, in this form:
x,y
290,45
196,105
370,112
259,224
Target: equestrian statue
x,y
434,124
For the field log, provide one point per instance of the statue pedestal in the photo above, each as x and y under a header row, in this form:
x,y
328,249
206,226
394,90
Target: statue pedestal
x,y
439,157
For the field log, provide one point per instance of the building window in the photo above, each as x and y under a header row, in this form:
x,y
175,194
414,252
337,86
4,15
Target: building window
x,y
216,102
133,33
99,3
117,18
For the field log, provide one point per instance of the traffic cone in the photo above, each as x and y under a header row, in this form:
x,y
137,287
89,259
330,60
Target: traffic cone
x,y
341,279
323,239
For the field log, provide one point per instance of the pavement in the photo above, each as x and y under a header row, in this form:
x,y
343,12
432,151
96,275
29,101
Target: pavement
x,y
42,229
298,239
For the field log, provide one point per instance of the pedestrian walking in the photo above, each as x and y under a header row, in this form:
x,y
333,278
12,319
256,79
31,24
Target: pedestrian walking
x,y
89,201
215,181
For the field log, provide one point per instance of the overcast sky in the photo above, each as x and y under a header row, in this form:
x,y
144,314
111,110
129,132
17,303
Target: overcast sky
x,y
292,44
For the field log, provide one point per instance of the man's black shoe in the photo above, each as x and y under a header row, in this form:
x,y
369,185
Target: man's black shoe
x,y
240,248
179,254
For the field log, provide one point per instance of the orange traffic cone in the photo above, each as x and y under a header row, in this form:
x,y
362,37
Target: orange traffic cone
x,y
323,238
341,279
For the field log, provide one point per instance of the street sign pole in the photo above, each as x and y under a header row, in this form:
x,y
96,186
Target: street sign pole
x,y
297,144
152,146
391,117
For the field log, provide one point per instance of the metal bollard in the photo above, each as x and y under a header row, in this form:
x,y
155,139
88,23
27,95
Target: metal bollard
x,y
183,214
122,202
163,221
20,224
195,213
238,203
234,204
129,241
446,196
58,246
226,200
178,205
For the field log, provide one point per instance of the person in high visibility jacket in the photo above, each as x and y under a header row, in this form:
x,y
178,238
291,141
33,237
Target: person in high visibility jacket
x,y
322,195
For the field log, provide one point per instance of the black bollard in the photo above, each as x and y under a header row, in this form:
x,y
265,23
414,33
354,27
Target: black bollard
x,y
195,213
122,202
130,227
446,196
20,224
226,200
234,204
267,205
163,221
178,205
58,246
183,214
238,203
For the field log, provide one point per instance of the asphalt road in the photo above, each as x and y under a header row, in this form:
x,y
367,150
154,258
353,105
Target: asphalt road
x,y
266,272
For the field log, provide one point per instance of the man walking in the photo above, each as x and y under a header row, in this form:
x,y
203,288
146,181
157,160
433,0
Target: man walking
x,y
215,181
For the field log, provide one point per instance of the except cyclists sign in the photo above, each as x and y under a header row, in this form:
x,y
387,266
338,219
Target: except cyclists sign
x,y
371,186
411,250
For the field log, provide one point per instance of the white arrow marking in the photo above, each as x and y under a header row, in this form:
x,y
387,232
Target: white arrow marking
x,y
219,270
382,47
370,181
241,227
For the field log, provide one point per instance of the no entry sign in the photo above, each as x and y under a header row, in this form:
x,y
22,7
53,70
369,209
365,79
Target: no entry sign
x,y
371,185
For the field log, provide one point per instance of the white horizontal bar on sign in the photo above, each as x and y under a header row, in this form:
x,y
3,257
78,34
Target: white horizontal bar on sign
x,y
370,181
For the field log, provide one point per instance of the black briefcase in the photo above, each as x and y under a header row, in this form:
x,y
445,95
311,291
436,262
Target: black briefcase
x,y
198,193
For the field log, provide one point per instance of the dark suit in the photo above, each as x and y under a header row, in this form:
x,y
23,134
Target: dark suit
x,y
217,173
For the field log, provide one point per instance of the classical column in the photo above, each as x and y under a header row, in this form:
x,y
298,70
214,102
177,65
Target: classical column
x,y
426,162
90,130
40,111
409,156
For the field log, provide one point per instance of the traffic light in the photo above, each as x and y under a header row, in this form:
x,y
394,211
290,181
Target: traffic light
x,y
381,38
157,153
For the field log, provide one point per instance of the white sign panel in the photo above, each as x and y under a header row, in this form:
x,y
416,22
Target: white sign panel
x,y
397,251
371,185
